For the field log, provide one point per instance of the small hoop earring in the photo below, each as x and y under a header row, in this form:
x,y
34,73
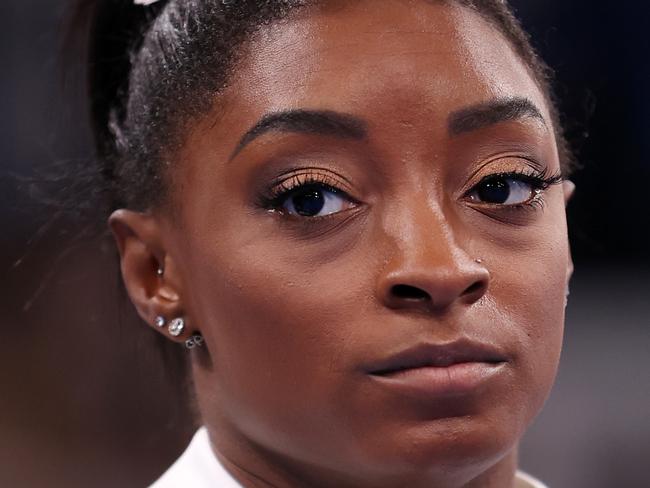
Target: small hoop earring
x,y
195,341
160,321
176,327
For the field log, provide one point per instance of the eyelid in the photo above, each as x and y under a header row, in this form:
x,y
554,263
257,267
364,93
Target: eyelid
x,y
543,179
514,164
306,176
283,188
504,162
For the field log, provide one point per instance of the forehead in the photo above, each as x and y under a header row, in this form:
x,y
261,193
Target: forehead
x,y
405,58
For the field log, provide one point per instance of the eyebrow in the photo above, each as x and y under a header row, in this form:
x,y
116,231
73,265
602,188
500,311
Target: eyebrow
x,y
321,122
490,113
345,126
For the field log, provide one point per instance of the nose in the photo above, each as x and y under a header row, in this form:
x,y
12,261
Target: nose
x,y
428,269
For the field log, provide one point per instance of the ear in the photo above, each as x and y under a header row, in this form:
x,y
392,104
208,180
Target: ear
x,y
569,189
142,255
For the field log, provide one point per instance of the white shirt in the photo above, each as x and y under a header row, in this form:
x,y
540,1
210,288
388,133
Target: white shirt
x,y
198,467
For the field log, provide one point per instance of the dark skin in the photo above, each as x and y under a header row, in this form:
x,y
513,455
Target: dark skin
x,y
406,108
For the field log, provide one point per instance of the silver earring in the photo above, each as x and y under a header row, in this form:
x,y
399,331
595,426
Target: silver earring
x,y
160,321
160,272
478,261
195,341
176,327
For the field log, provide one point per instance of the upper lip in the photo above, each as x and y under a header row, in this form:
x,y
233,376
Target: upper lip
x,y
438,355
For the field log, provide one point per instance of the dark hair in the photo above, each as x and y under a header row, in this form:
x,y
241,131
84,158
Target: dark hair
x,y
152,70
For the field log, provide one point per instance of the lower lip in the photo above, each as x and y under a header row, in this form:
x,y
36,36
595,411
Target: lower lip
x,y
454,380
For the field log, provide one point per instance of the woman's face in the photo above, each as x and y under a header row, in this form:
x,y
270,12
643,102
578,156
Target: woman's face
x,y
396,247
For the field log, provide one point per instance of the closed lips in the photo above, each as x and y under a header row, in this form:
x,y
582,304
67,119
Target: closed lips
x,y
437,356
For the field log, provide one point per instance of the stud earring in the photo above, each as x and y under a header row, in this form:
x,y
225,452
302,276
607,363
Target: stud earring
x,y
478,261
176,327
160,321
195,341
160,272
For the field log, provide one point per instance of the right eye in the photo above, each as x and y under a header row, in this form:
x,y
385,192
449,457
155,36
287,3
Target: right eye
x,y
309,195
313,200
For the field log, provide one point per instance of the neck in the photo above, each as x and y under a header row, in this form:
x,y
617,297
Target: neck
x,y
256,467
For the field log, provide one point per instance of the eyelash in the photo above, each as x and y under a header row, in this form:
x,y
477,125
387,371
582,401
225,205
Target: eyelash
x,y
539,180
277,195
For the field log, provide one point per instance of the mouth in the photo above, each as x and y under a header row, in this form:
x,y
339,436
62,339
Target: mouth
x,y
437,356
456,368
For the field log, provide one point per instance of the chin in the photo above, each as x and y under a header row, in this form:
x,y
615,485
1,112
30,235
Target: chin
x,y
458,448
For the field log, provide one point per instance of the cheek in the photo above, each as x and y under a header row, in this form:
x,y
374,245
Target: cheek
x,y
276,328
530,288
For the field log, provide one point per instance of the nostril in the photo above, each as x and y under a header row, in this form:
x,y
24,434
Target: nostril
x,y
407,291
474,288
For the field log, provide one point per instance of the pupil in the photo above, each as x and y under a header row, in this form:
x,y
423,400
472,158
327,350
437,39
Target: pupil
x,y
494,191
309,202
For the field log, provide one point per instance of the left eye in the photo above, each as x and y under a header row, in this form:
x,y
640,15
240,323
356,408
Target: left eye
x,y
503,190
314,201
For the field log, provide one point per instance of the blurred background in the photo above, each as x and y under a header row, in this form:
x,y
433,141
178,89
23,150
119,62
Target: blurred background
x,y
86,401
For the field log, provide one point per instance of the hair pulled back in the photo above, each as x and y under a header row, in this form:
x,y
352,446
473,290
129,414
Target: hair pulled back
x,y
155,69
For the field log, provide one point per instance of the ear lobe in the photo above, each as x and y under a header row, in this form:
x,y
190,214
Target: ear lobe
x,y
142,253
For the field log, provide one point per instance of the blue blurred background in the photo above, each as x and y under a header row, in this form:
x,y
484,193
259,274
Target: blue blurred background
x,y
82,398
